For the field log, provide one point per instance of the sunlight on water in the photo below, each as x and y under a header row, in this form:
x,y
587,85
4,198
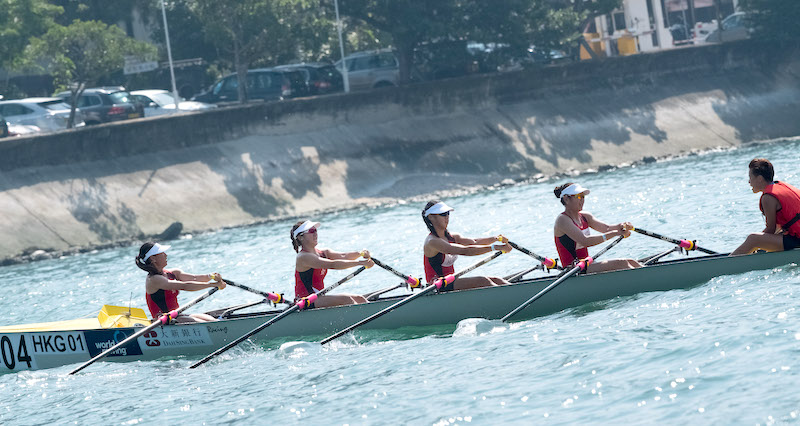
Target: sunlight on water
x,y
721,352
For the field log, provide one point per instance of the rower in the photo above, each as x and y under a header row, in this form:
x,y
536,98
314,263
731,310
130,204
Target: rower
x,y
780,204
572,235
312,264
162,286
441,249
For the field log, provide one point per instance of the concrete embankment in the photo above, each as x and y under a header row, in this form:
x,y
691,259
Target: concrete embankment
x,y
238,165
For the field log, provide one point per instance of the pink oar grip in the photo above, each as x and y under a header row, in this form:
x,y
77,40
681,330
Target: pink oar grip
x,y
583,264
688,245
444,281
413,282
167,317
549,263
274,297
307,301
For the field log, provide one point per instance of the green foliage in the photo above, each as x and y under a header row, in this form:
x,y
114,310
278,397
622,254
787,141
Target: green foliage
x,y
81,54
774,20
19,21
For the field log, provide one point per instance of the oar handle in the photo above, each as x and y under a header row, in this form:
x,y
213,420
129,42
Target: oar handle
x,y
272,297
685,244
410,280
583,264
164,319
546,261
300,305
408,299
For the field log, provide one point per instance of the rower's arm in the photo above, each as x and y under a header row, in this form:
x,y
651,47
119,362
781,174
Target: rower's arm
x,y
564,225
335,255
438,245
183,276
306,261
157,282
770,205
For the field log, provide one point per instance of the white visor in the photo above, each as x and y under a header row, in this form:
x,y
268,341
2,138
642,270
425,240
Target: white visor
x,y
574,189
305,227
438,208
156,249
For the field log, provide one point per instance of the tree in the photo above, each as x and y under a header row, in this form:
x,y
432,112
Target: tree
x,y
79,55
247,31
774,20
19,21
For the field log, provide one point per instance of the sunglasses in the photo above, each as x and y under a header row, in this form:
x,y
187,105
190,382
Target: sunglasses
x,y
445,214
578,196
310,231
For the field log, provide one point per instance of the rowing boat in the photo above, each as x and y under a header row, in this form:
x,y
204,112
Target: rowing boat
x,y
48,345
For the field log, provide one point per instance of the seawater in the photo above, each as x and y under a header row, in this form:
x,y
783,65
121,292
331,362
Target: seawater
x,y
723,352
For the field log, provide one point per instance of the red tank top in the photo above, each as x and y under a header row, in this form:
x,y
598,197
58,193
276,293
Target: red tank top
x,y
434,267
789,197
162,301
309,281
567,247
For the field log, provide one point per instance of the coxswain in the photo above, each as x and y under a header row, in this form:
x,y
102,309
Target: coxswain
x,y
572,234
312,264
780,205
162,286
442,248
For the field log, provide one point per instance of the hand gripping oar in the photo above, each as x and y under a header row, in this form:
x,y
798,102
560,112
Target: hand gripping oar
x,y
437,284
684,244
547,263
272,297
582,265
411,281
300,305
164,319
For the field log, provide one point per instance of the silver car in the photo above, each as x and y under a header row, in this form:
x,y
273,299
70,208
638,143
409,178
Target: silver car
x,y
367,70
48,114
161,102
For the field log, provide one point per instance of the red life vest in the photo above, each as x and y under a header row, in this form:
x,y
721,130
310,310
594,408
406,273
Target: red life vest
x,y
567,247
435,265
789,197
309,281
162,301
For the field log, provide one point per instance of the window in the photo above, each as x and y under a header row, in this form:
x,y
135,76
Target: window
x,y
387,60
11,110
362,63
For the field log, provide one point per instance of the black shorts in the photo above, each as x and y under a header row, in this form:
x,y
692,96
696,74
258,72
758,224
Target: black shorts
x,y
790,242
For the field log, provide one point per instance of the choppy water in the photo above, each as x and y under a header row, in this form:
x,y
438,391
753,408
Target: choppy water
x,y
723,352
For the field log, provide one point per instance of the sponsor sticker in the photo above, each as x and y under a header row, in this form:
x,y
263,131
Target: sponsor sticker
x,y
176,336
98,341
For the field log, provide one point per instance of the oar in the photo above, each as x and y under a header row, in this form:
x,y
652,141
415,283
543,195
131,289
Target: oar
x,y
685,244
518,275
272,297
546,261
437,284
582,265
159,322
649,260
374,295
302,304
411,281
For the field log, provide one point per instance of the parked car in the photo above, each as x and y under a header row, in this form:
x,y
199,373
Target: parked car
x,y
3,127
105,104
161,102
734,27
48,114
367,70
22,129
262,83
320,78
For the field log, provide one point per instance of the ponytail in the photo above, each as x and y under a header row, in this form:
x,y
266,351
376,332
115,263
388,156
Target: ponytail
x,y
295,243
560,189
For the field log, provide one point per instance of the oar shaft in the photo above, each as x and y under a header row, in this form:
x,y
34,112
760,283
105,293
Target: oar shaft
x,y
273,297
293,308
671,240
414,282
555,283
164,319
546,261
385,311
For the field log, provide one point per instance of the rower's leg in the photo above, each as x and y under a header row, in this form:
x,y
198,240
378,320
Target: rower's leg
x,y
472,282
499,281
612,265
338,299
760,240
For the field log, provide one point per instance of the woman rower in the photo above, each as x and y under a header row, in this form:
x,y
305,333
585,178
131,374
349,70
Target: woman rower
x,y
442,248
162,286
572,235
312,263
